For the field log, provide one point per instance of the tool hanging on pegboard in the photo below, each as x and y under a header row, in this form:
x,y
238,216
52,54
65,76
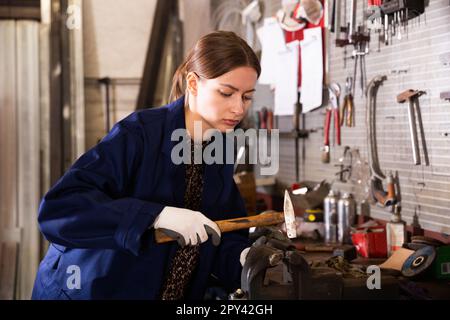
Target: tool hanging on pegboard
x,y
332,111
415,118
347,112
389,197
390,19
354,34
264,119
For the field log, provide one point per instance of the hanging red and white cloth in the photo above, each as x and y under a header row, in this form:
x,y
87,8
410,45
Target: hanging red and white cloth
x,y
294,22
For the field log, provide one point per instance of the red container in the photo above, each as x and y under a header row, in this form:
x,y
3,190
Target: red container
x,y
370,242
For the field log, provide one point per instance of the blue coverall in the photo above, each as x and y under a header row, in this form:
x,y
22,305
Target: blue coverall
x,y
97,216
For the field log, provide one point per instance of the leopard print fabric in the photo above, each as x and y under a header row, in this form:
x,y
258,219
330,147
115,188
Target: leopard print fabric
x,y
186,258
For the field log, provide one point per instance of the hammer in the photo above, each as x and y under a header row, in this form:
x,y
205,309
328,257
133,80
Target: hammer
x,y
413,110
266,219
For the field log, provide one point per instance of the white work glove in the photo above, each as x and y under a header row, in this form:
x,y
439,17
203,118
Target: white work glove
x,y
187,226
243,256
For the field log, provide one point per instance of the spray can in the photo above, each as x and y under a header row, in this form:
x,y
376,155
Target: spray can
x,y
346,217
330,206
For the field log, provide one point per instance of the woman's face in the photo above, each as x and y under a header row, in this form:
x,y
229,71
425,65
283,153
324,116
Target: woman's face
x,y
221,103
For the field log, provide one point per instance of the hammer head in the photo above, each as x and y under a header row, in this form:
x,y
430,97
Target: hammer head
x,y
409,94
289,216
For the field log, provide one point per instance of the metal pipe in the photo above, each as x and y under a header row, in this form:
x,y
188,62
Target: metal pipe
x,y
422,133
337,19
352,21
107,82
413,132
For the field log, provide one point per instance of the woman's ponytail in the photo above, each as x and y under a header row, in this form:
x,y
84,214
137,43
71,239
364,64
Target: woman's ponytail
x,y
178,89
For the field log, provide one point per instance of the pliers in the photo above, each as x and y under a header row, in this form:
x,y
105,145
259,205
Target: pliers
x,y
334,90
264,119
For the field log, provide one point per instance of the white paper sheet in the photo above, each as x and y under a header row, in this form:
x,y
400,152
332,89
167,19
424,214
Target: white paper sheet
x,y
312,69
286,77
272,41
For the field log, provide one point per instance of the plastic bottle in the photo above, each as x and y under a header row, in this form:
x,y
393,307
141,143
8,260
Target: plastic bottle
x,y
395,231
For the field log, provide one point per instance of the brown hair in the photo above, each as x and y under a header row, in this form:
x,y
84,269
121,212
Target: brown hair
x,y
212,56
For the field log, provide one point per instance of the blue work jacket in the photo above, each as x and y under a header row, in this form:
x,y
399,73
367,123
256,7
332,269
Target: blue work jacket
x,y
97,216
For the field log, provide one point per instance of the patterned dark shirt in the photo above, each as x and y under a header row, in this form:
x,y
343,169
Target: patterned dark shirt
x,y
186,258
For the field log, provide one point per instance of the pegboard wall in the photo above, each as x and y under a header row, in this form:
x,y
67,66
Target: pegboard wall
x,y
409,63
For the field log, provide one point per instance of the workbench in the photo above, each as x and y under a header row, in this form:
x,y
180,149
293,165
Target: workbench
x,y
407,289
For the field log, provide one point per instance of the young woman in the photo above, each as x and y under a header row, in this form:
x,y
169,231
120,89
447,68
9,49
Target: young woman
x,y
101,216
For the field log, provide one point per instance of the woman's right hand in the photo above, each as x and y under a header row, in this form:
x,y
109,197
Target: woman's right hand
x,y
187,226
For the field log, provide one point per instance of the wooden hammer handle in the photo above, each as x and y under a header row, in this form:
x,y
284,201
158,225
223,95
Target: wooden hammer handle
x,y
266,219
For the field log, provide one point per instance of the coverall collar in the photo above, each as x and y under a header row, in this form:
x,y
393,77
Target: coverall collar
x,y
213,175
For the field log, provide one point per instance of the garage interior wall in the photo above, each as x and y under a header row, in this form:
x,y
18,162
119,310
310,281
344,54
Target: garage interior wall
x,y
115,46
411,63
429,186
